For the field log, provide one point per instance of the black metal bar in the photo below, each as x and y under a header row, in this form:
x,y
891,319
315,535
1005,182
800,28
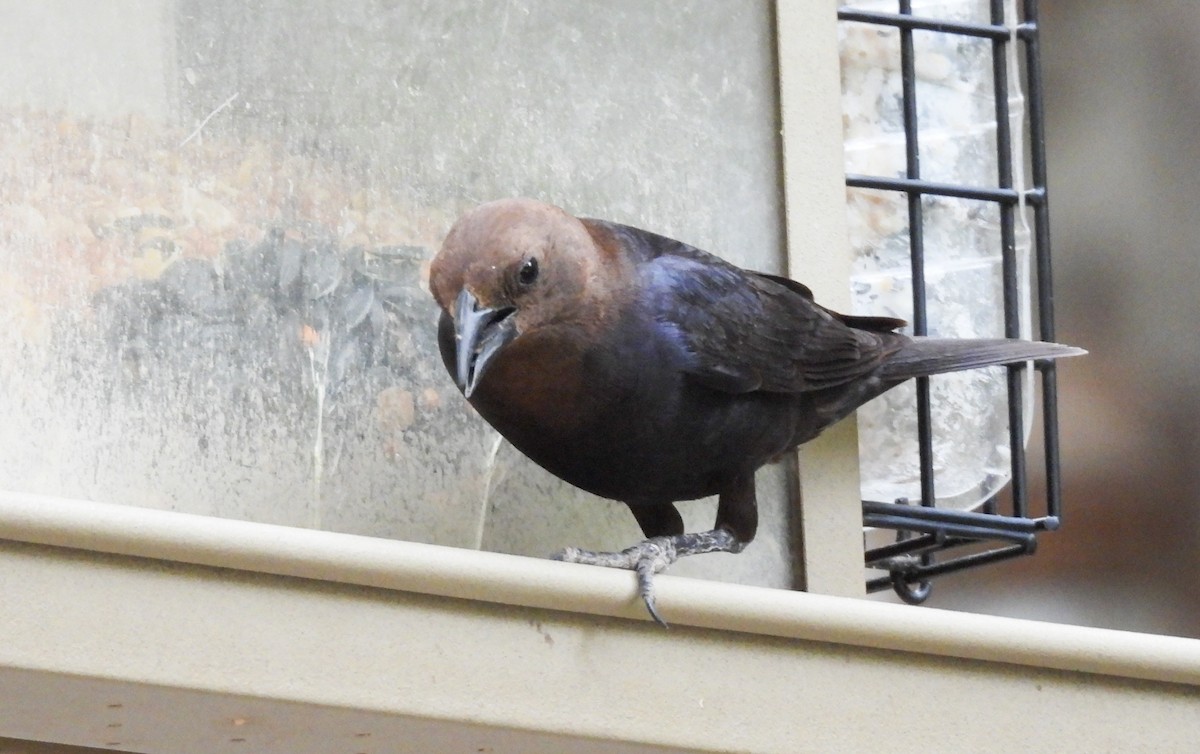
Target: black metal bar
x,y
1032,197
912,168
1016,439
1008,255
970,561
950,516
878,584
916,241
1004,177
1050,441
879,558
901,21
982,533
1041,224
923,572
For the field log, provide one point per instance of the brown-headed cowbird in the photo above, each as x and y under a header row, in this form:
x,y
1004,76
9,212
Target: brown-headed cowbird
x,y
647,371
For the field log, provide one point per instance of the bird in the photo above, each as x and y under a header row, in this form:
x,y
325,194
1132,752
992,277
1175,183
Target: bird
x,y
647,371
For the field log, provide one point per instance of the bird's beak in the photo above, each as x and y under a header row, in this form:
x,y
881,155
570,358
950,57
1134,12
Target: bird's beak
x,y
480,333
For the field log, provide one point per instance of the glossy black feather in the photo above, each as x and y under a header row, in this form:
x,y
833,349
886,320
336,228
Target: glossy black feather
x,y
649,371
749,331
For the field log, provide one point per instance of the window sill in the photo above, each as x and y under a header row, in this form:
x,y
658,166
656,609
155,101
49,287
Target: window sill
x,y
178,633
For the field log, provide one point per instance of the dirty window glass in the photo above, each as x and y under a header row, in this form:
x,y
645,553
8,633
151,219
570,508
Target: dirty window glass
x,y
216,220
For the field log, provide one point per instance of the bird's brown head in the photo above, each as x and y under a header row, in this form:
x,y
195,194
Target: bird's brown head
x,y
514,267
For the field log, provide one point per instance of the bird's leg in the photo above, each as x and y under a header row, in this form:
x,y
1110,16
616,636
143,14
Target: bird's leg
x,y
666,542
653,555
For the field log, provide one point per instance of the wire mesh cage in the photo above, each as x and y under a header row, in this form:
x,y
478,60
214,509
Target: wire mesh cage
x,y
929,535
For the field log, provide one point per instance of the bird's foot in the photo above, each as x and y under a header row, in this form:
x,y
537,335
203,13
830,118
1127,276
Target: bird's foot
x,y
652,556
646,558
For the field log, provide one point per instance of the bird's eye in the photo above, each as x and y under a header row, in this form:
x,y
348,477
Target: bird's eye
x,y
528,272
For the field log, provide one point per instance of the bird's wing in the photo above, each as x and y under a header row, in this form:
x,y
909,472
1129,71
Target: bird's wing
x,y
744,331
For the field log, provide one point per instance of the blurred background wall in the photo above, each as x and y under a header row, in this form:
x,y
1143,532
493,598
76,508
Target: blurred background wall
x,y
1123,129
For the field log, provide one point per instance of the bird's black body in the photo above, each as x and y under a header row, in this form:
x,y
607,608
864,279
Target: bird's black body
x,y
645,370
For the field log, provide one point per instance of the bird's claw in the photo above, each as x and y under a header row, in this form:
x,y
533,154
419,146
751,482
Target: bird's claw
x,y
653,555
645,559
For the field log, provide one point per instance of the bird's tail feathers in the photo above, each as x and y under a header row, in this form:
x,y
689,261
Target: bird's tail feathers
x,y
926,356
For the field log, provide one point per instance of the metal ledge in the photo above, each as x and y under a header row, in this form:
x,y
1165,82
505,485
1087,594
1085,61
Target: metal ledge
x,y
214,635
